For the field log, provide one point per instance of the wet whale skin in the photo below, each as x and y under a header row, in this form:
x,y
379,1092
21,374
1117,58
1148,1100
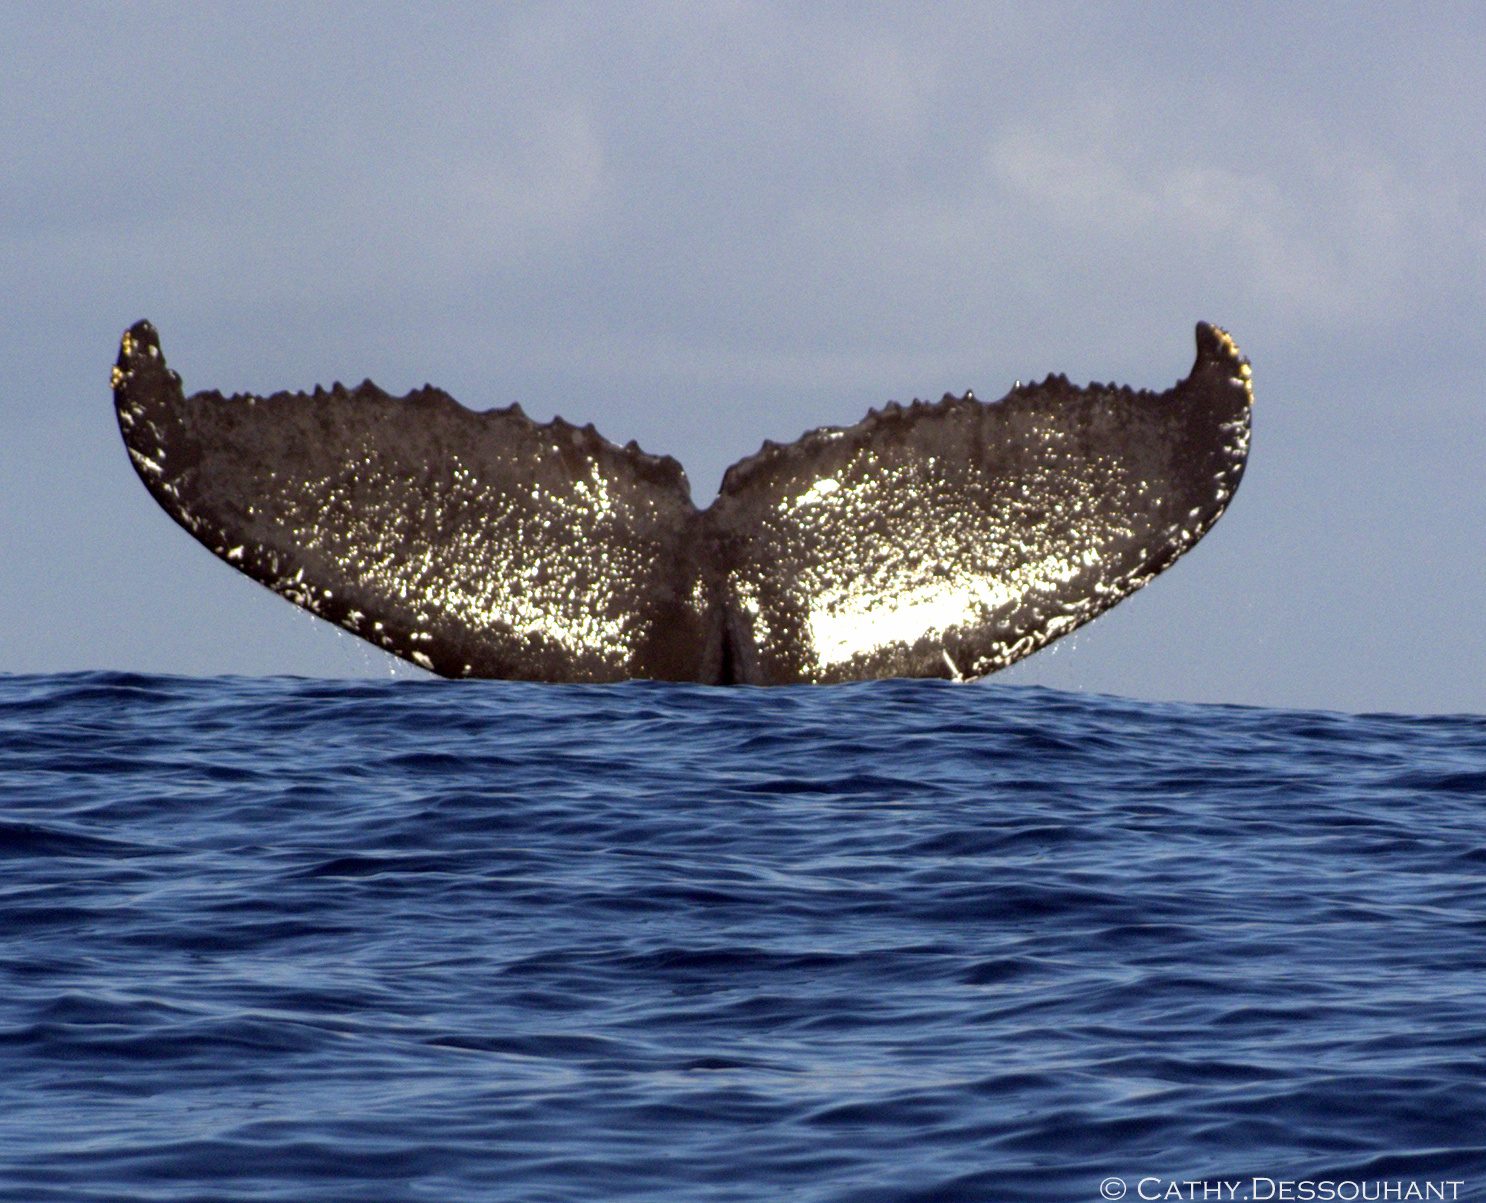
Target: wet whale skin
x,y
944,539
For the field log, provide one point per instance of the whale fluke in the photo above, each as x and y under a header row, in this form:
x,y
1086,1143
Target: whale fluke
x,y
929,540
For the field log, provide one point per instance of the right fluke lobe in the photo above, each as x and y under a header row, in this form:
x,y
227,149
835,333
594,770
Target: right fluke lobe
x,y
944,539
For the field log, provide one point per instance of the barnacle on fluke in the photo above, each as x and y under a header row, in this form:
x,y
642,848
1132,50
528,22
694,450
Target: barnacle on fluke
x,y
932,540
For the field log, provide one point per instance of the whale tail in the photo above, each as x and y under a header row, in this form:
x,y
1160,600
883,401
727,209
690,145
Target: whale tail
x,y
942,540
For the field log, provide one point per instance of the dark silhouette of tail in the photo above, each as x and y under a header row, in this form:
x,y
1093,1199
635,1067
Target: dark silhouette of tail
x,y
943,540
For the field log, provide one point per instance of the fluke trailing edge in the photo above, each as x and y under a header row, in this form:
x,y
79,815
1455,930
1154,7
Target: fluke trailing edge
x,y
932,540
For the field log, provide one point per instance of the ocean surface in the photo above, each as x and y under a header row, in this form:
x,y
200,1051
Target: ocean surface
x,y
303,940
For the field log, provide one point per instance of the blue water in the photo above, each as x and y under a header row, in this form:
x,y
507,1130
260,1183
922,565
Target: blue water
x,y
310,940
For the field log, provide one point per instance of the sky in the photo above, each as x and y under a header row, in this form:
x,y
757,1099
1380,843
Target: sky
x,y
704,225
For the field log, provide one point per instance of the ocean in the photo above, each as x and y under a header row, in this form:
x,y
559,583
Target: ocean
x,y
302,940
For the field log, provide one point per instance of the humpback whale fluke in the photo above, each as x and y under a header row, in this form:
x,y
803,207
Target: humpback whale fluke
x,y
930,540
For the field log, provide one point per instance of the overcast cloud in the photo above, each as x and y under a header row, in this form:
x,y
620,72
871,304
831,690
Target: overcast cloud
x,y
704,225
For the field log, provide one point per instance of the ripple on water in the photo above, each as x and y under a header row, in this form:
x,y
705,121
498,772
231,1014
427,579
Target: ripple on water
x,y
272,939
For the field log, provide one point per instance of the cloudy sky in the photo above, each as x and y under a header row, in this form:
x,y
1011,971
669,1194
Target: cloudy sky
x,y
701,225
